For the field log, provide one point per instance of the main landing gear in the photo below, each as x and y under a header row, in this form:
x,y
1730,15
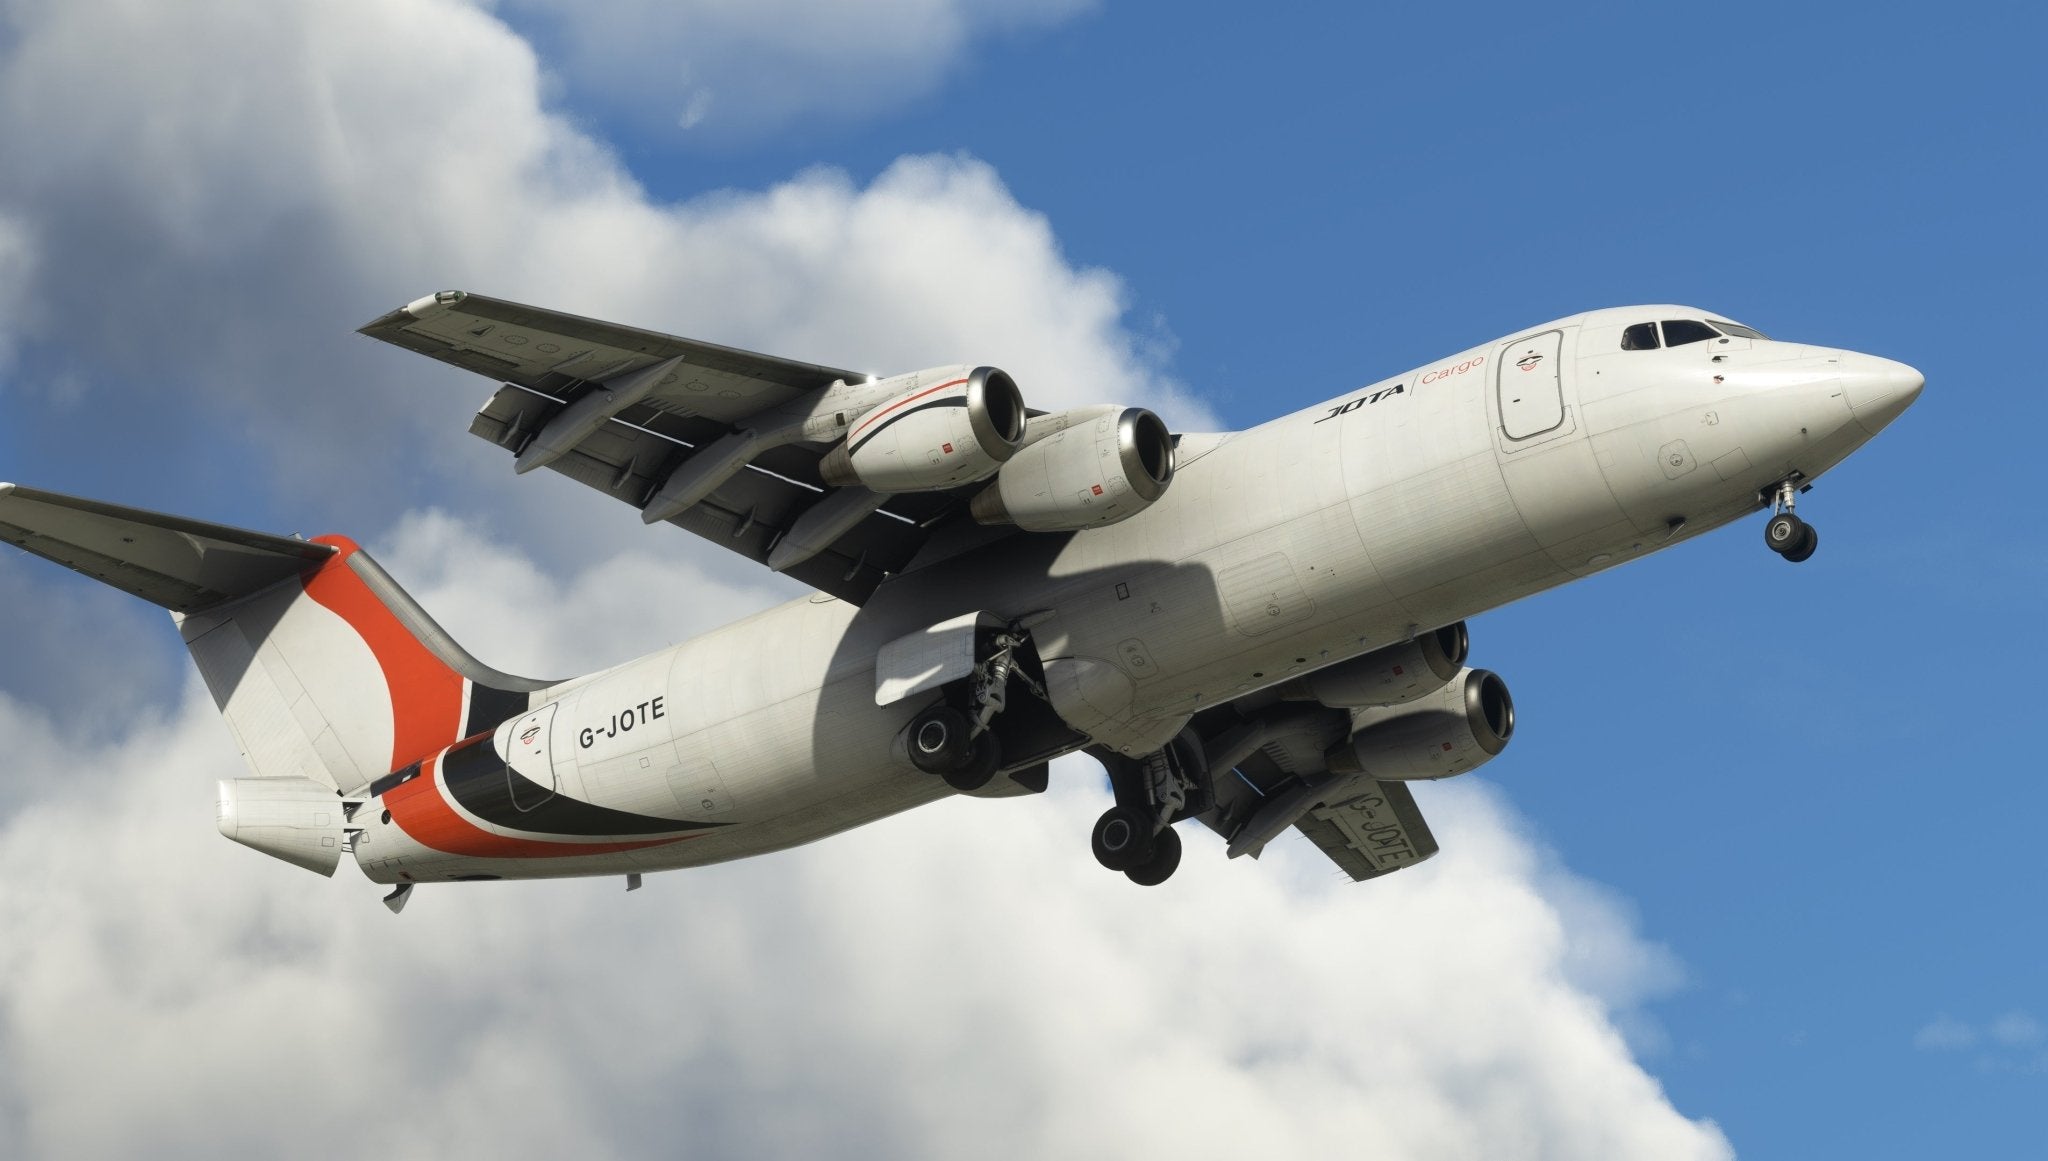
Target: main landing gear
x,y
1786,534
1136,836
961,749
942,742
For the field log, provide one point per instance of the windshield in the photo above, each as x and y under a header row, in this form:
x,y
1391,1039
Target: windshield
x,y
1739,331
1640,337
1682,331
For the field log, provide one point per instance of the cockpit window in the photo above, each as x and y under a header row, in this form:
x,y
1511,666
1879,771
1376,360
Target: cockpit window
x,y
1739,331
1640,337
1683,331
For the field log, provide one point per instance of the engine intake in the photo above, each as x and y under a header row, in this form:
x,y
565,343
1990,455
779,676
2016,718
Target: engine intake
x,y
960,429
1454,730
1079,469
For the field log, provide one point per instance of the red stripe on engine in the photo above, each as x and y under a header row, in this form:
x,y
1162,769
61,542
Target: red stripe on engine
x,y
421,809
900,403
426,695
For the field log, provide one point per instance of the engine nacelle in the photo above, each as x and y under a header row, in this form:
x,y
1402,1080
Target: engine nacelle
x,y
294,819
1395,675
1455,730
1096,466
958,429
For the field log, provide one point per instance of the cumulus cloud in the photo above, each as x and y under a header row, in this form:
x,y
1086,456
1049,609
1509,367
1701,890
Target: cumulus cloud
x,y
232,187
605,610
738,68
267,176
961,979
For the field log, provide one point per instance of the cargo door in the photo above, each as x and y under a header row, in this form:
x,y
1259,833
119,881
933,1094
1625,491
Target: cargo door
x,y
529,760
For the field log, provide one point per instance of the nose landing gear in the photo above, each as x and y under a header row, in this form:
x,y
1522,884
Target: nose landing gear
x,y
1786,534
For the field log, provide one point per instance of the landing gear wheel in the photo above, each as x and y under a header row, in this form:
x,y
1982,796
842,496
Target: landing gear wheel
x,y
1160,866
1122,838
1785,533
938,740
984,755
1806,546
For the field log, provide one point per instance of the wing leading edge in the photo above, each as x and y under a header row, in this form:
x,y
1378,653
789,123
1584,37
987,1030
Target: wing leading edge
x,y
705,437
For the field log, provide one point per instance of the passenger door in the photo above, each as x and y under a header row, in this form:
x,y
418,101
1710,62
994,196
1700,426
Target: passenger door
x,y
1530,389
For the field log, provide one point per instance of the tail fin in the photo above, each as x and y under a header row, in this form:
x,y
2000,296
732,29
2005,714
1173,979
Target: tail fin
x,y
323,667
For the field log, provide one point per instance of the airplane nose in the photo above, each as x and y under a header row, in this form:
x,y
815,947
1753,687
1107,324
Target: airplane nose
x,y
1879,390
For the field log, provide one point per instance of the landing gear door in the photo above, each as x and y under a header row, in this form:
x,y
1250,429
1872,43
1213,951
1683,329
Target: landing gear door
x,y
1530,387
928,658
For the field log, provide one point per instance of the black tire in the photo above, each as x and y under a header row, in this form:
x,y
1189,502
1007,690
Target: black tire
x,y
1784,533
1160,866
1806,546
938,740
984,756
1122,838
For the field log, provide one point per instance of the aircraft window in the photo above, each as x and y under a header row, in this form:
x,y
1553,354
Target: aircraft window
x,y
1677,334
1640,337
1739,331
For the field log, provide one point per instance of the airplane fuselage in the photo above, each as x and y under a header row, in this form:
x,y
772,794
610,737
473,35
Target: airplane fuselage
x,y
1412,503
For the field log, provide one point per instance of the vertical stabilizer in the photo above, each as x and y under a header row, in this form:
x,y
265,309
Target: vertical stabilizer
x,y
337,675
323,667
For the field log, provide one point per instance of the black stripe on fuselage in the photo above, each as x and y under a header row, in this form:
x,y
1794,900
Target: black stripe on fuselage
x,y
489,707
485,786
953,401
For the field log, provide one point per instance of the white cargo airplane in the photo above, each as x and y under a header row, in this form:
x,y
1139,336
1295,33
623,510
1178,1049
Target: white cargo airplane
x,y
1259,630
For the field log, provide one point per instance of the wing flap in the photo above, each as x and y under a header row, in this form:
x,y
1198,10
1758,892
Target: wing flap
x,y
1375,832
745,514
182,565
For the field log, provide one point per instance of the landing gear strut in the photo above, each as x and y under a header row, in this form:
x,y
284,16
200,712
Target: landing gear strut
x,y
962,749
1786,534
1136,835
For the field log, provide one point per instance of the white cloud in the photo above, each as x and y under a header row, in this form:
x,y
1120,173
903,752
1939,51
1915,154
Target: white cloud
x,y
234,185
1945,1033
2010,1040
268,176
962,979
610,609
740,67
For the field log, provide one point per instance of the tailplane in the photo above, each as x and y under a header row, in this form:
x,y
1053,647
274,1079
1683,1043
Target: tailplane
x,y
323,667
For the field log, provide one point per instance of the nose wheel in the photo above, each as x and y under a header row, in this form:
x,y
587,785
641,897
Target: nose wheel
x,y
1786,534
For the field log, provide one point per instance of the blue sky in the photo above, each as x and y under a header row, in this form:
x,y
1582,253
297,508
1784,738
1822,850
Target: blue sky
x,y
1812,791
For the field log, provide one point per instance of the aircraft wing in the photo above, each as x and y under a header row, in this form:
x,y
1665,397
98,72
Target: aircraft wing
x,y
621,409
1268,775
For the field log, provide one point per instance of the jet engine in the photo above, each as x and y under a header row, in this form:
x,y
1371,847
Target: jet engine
x,y
1454,730
1094,466
932,438
1395,675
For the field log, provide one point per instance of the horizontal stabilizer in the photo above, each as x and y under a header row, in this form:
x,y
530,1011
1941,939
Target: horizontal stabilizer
x,y
183,565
